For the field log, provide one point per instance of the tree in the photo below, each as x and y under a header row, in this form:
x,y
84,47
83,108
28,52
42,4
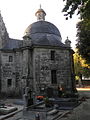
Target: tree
x,y
77,66
82,7
83,41
83,27
81,68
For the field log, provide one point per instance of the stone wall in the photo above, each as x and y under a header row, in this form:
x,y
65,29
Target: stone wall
x,y
11,71
43,66
27,65
7,70
18,71
32,67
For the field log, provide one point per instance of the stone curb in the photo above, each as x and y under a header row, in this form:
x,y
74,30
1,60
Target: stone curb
x,y
60,116
10,114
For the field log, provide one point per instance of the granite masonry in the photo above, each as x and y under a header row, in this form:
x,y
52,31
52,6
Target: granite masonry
x,y
38,61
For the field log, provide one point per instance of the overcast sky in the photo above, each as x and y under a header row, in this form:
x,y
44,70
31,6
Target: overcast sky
x,y
19,14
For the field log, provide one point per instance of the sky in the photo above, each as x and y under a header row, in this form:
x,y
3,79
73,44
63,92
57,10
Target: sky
x,y
19,14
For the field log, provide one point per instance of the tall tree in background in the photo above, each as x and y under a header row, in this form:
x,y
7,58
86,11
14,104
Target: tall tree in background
x,y
83,41
83,27
81,68
82,7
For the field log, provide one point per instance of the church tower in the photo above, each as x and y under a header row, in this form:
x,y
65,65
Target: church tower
x,y
4,37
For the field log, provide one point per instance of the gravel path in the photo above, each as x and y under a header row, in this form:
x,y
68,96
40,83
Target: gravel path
x,y
82,112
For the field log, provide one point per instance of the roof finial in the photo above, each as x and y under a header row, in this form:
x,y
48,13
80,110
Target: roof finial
x,y
68,42
40,14
40,6
67,37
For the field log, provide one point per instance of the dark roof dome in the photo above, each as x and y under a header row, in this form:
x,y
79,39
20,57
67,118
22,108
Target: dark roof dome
x,y
43,33
42,27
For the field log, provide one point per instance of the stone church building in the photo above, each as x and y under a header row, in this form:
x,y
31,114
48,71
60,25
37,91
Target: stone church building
x,y
38,61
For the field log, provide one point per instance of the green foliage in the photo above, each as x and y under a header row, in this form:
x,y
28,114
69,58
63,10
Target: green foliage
x,y
83,41
83,27
82,7
77,64
81,68
47,102
86,72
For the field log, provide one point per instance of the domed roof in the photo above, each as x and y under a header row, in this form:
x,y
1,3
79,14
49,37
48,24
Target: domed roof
x,y
43,33
42,27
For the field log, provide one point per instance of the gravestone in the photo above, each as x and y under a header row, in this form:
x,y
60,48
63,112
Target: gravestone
x,y
52,92
28,100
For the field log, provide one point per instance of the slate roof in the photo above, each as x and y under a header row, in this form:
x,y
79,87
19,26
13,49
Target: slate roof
x,y
44,33
45,39
41,33
13,43
42,27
